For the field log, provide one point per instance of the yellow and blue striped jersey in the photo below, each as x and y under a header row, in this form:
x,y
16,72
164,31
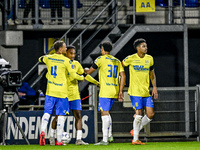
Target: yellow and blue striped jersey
x,y
109,69
139,69
73,89
58,67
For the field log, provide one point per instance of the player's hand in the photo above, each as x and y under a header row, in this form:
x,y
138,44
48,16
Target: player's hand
x,y
86,70
155,93
83,79
120,97
21,94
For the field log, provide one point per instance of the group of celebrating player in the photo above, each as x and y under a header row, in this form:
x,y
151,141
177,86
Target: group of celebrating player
x,y
63,92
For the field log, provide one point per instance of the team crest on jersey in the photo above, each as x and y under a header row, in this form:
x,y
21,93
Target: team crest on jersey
x,y
70,62
146,61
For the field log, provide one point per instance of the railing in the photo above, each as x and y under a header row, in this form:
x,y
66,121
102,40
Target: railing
x,y
79,37
176,114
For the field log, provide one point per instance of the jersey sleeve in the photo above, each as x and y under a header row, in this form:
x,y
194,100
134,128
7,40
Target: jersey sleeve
x,y
80,68
43,59
72,71
151,62
121,68
98,61
91,79
126,61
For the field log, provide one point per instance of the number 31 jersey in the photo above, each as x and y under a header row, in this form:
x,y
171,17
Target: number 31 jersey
x,y
109,69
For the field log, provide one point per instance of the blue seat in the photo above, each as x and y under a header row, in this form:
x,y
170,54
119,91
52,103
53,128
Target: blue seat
x,y
191,3
21,4
68,5
164,3
44,4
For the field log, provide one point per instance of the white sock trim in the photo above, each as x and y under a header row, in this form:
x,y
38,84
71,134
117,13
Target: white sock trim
x,y
110,127
145,121
60,125
79,135
105,126
45,121
136,125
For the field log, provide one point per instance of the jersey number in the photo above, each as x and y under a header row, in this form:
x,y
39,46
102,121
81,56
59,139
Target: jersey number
x,y
113,71
53,71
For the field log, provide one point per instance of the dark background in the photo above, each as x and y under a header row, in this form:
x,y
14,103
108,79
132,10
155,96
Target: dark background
x,y
166,49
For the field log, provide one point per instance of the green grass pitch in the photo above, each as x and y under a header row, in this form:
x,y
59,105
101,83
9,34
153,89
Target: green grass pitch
x,y
111,146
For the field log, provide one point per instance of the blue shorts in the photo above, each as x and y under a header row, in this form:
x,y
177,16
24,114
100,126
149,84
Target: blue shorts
x,y
105,104
75,105
62,105
140,102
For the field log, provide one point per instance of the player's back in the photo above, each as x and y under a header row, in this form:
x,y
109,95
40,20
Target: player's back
x,y
56,75
109,69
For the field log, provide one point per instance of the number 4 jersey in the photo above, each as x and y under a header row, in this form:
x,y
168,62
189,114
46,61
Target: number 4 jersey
x,y
58,67
109,69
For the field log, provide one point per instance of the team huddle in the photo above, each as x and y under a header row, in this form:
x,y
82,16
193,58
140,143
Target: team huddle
x,y
63,91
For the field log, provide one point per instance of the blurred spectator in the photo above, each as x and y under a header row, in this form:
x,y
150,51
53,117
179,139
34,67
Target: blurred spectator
x,y
27,95
10,17
30,5
56,5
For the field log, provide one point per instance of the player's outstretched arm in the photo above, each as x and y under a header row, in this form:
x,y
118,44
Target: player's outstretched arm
x,y
75,76
153,81
121,85
89,71
91,79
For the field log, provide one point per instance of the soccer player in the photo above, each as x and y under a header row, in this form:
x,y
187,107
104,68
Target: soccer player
x,y
73,97
110,68
141,68
58,67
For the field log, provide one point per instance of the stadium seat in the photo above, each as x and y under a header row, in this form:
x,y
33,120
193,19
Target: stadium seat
x,y
44,4
164,3
21,4
67,4
191,3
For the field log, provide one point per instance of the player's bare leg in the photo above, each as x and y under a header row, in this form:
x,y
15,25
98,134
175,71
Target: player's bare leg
x,y
78,126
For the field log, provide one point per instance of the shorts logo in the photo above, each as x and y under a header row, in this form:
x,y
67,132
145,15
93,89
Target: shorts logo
x,y
101,108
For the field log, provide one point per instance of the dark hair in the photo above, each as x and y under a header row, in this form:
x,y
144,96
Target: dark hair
x,y
57,45
107,46
70,47
137,42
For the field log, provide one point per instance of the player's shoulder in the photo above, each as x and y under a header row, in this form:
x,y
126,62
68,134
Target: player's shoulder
x,y
100,57
131,56
149,56
76,62
114,58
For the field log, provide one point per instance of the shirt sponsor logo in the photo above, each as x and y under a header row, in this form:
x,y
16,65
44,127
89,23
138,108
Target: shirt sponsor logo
x,y
55,83
140,68
60,60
